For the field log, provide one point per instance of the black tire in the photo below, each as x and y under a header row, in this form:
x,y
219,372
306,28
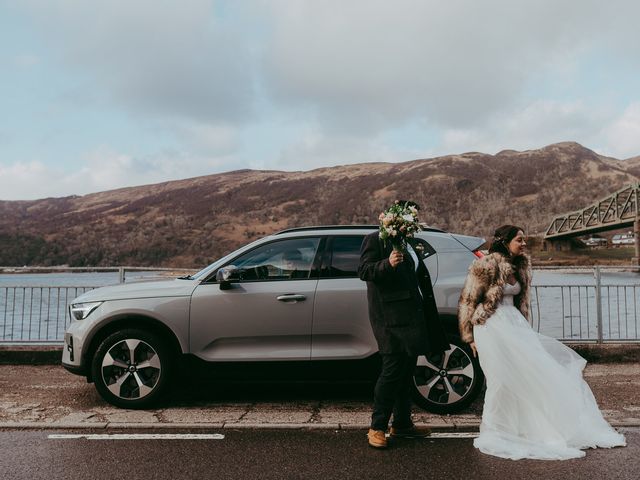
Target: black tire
x,y
132,368
448,383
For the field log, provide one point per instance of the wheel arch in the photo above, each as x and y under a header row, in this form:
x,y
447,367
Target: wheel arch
x,y
122,322
450,324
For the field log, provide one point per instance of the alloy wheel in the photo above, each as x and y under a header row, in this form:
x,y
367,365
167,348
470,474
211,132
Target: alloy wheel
x,y
131,369
446,379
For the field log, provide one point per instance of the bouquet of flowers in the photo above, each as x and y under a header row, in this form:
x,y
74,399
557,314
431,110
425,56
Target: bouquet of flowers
x,y
397,223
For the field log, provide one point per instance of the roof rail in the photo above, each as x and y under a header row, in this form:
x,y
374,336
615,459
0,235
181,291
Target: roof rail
x,y
347,227
329,227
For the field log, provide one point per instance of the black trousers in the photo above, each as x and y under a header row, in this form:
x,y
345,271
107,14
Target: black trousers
x,y
392,392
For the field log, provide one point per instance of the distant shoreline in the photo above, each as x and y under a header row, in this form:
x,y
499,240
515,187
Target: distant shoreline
x,y
563,265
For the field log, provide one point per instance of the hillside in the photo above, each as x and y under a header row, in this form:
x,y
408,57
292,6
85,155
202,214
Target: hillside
x,y
191,222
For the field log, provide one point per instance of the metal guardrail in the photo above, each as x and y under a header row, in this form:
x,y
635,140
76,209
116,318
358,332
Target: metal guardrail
x,y
35,314
39,313
588,313
121,270
585,315
571,313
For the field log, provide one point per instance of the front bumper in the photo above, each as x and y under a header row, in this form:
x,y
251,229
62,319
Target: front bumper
x,y
76,370
71,356
72,352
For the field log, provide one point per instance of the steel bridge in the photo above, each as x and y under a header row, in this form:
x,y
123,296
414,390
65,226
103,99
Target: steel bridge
x,y
619,210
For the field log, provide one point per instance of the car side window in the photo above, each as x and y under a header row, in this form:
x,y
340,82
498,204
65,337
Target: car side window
x,y
281,260
343,258
423,248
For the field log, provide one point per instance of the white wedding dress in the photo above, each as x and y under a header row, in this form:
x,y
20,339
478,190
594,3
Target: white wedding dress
x,y
537,404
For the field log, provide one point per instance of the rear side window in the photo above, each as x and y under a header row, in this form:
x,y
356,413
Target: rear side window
x,y
343,257
423,249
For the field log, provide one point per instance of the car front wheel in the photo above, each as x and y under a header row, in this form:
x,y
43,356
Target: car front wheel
x,y
449,382
131,368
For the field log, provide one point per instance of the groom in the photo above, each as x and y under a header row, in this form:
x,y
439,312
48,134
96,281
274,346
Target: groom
x,y
405,323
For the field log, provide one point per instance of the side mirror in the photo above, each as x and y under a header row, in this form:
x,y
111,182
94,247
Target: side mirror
x,y
226,274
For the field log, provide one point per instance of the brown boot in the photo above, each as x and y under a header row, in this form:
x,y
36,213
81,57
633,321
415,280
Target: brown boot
x,y
377,438
410,432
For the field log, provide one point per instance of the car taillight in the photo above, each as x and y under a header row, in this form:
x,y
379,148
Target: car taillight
x,y
478,253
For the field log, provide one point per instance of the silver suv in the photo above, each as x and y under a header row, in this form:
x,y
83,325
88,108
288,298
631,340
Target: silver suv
x,y
289,305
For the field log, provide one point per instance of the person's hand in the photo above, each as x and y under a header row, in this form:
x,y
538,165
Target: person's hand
x,y
473,349
396,258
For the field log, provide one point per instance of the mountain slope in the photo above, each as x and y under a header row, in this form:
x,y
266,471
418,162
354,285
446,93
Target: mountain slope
x,y
190,222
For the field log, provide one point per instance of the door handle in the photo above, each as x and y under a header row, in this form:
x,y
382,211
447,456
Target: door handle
x,y
291,297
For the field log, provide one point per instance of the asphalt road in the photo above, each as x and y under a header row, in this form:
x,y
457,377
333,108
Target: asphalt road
x,y
47,394
286,454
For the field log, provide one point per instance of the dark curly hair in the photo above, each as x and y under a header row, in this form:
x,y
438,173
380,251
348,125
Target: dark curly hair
x,y
501,238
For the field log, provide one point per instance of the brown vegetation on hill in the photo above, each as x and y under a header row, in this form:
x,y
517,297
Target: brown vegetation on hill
x,y
191,222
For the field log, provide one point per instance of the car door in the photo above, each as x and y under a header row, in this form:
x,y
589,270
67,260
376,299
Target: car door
x,y
266,313
341,327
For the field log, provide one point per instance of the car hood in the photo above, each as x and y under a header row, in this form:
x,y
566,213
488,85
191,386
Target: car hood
x,y
125,291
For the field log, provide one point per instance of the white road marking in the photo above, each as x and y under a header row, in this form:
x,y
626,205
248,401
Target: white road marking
x,y
454,435
139,436
448,435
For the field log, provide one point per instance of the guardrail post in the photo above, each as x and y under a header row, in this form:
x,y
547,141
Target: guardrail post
x,y
598,303
121,274
636,234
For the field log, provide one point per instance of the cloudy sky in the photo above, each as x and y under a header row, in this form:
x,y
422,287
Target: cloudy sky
x,y
96,95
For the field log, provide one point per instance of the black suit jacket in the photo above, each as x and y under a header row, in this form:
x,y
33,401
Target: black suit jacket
x,y
403,321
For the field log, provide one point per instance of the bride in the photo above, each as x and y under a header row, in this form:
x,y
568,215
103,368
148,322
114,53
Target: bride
x,y
536,405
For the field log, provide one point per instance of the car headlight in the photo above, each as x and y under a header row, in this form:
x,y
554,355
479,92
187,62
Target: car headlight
x,y
80,311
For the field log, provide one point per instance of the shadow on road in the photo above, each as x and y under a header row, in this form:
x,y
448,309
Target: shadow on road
x,y
268,391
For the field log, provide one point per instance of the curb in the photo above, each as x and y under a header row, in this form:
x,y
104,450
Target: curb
x,y
608,353
467,428
30,354
206,426
52,354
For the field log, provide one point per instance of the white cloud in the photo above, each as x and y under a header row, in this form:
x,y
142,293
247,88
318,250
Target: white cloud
x,y
622,136
158,58
26,60
207,139
306,83
367,65
315,149
103,169
362,66
535,125
28,181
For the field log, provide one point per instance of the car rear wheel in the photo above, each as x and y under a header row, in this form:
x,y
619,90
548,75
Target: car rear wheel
x,y
131,368
449,382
